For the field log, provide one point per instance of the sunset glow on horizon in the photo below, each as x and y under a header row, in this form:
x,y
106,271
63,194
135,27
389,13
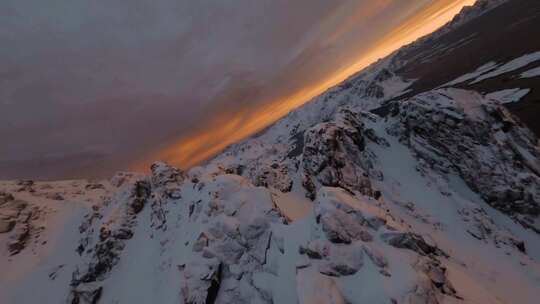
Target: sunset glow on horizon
x,y
228,129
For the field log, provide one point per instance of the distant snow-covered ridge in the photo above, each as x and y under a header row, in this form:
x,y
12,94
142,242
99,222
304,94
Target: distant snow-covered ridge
x,y
467,14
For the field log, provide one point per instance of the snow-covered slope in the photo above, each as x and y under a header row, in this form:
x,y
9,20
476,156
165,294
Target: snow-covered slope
x,y
433,199
360,196
488,49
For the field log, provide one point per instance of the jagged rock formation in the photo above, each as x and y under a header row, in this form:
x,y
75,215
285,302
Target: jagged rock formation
x,y
102,247
334,155
496,156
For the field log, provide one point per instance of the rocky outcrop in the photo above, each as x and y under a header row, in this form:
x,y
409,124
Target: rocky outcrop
x,y
104,241
412,242
9,211
16,219
232,246
163,173
334,260
335,155
85,294
454,130
275,176
346,235
25,186
5,197
342,224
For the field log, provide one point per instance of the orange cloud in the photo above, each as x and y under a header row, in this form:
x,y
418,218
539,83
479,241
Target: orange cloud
x,y
228,129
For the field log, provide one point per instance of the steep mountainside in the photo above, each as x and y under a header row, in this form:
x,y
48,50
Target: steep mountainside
x,y
382,190
497,51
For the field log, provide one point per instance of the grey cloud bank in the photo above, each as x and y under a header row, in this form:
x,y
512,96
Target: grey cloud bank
x,y
88,87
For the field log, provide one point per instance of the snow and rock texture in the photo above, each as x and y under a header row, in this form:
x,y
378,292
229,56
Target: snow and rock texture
x,y
367,194
488,49
431,199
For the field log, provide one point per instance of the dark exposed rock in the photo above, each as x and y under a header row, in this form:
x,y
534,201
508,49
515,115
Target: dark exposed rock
x,y
315,250
335,156
520,245
55,196
413,242
16,218
25,182
53,274
85,294
334,260
213,290
9,213
18,241
375,256
311,189
25,186
6,225
103,252
94,186
297,144
436,273
123,234
164,174
371,135
274,176
106,257
202,281
5,197
338,269
140,194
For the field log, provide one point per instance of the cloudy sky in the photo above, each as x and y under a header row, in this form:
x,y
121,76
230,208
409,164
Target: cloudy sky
x,y
91,87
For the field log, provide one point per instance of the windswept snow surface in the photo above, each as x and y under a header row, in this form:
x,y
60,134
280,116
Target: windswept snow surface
x,y
531,73
493,69
510,66
509,95
479,71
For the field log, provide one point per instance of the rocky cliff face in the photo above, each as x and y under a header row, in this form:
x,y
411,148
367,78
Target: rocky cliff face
x,y
458,131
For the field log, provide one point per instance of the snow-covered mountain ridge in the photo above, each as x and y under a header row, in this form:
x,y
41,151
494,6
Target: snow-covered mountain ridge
x,y
360,196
